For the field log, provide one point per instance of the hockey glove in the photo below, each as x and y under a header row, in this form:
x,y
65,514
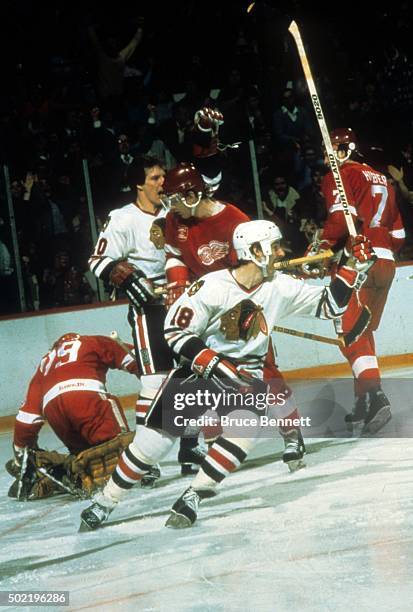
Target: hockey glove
x,y
362,256
134,282
174,291
317,270
210,365
208,120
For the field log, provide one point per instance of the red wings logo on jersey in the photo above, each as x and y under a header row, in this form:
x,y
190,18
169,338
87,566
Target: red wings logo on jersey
x,y
246,320
211,252
182,233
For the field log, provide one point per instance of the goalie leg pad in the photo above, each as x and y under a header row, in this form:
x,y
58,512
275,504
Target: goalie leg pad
x,y
95,465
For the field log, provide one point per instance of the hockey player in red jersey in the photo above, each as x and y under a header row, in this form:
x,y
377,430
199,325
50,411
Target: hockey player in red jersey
x,y
68,391
221,330
375,213
198,230
199,233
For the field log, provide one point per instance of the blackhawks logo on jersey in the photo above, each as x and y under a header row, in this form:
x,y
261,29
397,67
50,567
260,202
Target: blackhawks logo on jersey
x,y
246,320
195,287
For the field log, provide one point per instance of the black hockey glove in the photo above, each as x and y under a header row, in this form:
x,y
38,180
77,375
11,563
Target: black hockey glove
x,y
134,282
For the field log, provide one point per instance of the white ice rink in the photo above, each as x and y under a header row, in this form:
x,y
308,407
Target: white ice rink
x,y
337,535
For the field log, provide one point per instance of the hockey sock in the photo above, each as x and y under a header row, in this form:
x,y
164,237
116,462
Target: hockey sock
x,y
147,448
150,385
361,356
224,456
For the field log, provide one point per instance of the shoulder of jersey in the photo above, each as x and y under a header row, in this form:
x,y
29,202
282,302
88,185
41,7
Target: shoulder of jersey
x,y
233,211
285,282
125,214
211,283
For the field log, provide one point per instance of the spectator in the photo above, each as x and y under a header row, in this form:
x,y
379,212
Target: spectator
x,y
283,207
111,61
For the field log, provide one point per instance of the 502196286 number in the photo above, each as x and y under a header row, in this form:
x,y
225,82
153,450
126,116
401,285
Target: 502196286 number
x,y
34,598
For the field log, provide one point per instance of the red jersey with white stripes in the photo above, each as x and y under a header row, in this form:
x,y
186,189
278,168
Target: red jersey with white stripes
x,y
75,365
203,245
372,204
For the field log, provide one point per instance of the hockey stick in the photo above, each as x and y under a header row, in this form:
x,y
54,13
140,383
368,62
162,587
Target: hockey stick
x,y
299,261
286,264
294,332
22,474
75,491
114,335
295,32
342,341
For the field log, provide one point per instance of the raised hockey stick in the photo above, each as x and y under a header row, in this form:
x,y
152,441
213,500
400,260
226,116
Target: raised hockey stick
x,y
343,340
295,32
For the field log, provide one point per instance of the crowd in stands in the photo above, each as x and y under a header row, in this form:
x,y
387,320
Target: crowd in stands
x,y
82,84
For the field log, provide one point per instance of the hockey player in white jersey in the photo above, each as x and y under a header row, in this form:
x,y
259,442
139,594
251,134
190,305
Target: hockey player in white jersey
x,y
220,329
126,257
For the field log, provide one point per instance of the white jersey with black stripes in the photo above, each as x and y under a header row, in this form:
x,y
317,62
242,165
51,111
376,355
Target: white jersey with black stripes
x,y
237,322
126,235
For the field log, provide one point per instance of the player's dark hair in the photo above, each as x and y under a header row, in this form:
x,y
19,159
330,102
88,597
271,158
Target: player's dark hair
x,y
137,170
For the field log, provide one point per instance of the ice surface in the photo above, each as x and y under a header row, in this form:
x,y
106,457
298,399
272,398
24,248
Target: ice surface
x,y
336,535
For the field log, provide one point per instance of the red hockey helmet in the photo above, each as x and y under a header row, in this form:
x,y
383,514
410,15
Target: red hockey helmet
x,y
179,181
345,141
185,177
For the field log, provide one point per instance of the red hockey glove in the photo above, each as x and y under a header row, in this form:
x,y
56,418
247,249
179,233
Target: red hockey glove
x,y
363,253
208,364
208,120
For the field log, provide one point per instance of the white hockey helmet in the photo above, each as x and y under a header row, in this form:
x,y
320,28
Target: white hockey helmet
x,y
265,233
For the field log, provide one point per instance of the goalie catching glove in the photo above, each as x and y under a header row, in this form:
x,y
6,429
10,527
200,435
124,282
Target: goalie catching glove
x,y
210,365
134,282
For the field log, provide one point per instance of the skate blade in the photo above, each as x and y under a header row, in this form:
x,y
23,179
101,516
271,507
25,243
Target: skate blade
x,y
296,465
84,527
148,483
379,420
178,521
355,429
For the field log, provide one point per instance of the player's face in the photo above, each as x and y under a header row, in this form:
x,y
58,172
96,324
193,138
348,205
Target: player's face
x,y
277,254
182,209
152,188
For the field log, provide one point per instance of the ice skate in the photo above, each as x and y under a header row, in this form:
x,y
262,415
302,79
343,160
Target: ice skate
x,y
96,514
184,511
294,451
190,459
356,419
148,480
378,414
